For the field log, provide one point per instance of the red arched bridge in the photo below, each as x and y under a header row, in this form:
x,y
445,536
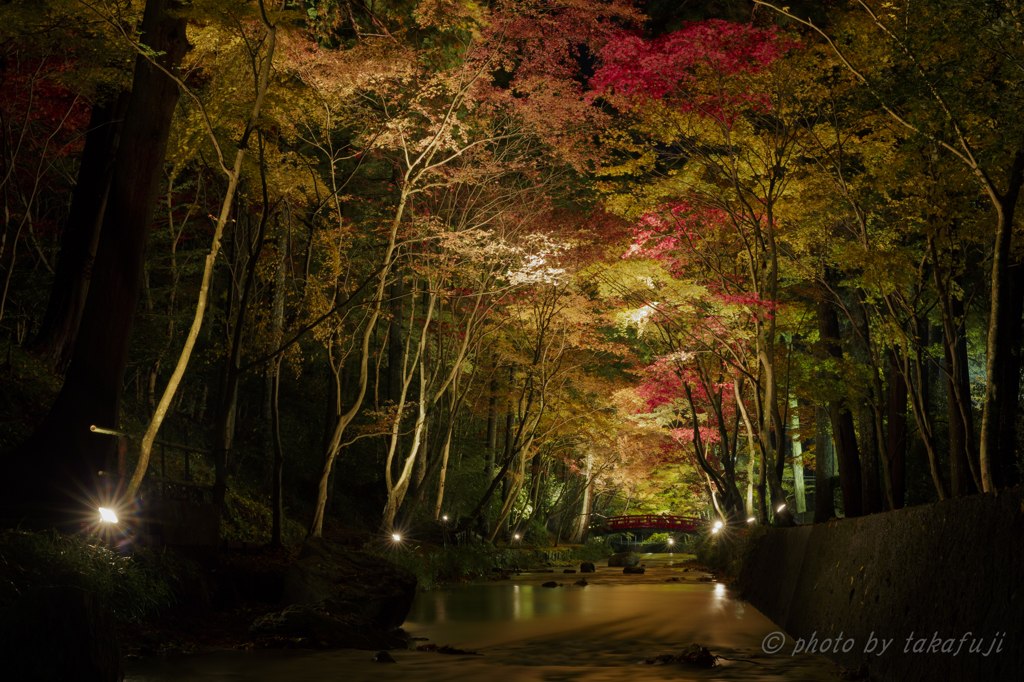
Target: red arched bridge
x,y
618,524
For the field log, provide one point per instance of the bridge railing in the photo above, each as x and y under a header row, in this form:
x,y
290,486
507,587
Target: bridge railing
x,y
657,521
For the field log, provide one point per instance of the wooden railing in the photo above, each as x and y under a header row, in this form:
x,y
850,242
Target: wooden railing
x,y
652,521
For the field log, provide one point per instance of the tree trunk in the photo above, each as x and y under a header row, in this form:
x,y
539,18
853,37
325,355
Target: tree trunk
x,y
896,437
63,452
80,237
842,418
1006,472
277,333
996,361
824,468
506,484
583,521
955,355
798,462
277,485
871,494
396,348
224,431
492,443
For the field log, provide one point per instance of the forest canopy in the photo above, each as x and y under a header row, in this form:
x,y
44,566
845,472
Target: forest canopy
x,y
519,264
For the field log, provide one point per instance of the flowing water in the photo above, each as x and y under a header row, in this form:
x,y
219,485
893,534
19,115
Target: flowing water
x,y
600,632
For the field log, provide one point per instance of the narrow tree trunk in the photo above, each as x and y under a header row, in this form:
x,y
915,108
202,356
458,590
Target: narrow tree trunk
x,y
277,485
798,462
750,485
224,431
396,346
896,438
492,442
439,504
506,484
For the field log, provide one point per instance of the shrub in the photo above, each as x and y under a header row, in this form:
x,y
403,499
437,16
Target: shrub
x,y
131,587
726,551
437,565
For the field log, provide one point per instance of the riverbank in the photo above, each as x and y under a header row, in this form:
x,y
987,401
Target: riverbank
x,y
435,566
246,585
934,587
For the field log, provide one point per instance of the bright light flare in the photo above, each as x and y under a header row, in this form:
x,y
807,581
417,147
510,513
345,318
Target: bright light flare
x,y
396,537
781,507
714,530
671,541
444,518
718,525
750,520
516,536
107,515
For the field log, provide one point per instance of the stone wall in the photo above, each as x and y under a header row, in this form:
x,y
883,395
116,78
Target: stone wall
x,y
942,572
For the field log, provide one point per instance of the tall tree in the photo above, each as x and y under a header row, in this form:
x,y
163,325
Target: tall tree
x,y
63,452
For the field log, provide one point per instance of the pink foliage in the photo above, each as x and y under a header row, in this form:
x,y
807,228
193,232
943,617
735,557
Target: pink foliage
x,y
661,386
679,66
708,434
669,234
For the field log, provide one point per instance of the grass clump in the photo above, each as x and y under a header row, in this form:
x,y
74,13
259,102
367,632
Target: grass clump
x,y
131,587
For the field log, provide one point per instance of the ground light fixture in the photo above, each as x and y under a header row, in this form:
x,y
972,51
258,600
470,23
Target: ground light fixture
x,y
715,529
444,518
396,537
750,520
718,525
516,536
108,515
671,541
781,507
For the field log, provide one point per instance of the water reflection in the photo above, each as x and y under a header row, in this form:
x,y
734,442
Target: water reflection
x,y
477,603
504,603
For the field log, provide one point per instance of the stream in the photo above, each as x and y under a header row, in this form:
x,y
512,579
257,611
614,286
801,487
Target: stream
x,y
600,632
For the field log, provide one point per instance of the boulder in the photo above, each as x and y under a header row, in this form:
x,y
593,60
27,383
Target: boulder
x,y
321,628
624,559
587,567
638,570
347,583
59,633
569,570
550,583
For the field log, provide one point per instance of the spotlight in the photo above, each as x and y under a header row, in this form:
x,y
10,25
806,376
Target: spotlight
x,y
396,537
671,541
516,536
781,507
444,518
750,520
107,515
714,530
718,525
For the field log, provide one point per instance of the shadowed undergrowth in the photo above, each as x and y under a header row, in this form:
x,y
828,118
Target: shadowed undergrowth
x,y
145,583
